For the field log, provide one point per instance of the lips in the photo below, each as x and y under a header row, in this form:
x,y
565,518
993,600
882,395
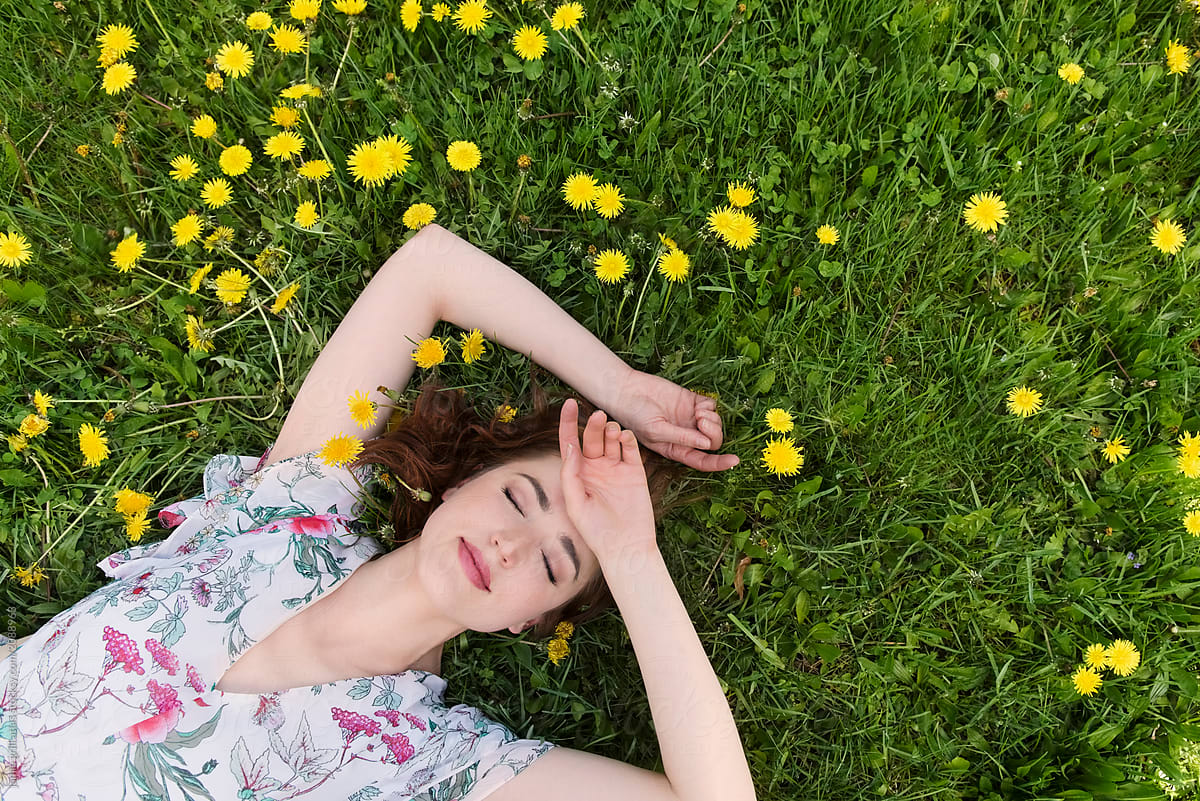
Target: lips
x,y
474,565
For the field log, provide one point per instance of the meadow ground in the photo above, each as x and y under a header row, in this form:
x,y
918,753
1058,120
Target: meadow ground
x,y
904,615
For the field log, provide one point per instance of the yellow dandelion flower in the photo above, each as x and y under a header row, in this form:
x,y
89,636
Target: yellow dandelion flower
x,y
721,219
1168,236
17,442
204,126
1071,72
529,43
107,58
1189,444
258,21
566,16
235,59
198,336
611,265
232,285
300,90
739,194
306,214
418,215
186,229
304,9
216,193
1178,58
93,444
119,39
828,235
199,276
472,15
783,457
1123,657
118,77
83,150
126,254
221,237
315,169
557,650
362,409
505,413
564,629
286,39
674,264
350,7
42,402
410,14
183,168
398,151
369,164
462,155
429,352
340,449
1024,401
129,502
235,159
283,145
608,200
285,117
779,421
214,81
33,425
14,249
579,190
1086,681
1188,464
472,346
136,526
1191,523
1096,656
284,297
985,211
439,11
1115,450
742,230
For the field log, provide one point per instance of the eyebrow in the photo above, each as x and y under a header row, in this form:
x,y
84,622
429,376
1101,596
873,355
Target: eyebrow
x,y
544,502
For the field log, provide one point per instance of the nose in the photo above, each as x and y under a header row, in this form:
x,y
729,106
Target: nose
x,y
510,547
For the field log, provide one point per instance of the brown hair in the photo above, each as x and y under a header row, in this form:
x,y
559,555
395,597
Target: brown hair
x,y
444,440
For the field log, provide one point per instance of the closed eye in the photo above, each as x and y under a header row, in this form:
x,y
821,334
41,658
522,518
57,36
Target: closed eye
x,y
508,494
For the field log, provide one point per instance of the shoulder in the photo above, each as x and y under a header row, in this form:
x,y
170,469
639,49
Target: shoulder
x,y
591,778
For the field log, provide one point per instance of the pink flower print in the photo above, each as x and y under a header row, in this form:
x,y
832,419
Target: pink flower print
x,y
169,519
392,716
269,714
416,721
155,729
315,526
353,724
162,656
194,680
399,748
123,651
201,592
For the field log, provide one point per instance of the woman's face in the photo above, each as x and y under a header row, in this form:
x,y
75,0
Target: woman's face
x,y
523,542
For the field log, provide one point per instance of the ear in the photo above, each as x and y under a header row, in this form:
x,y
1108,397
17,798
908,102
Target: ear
x,y
519,629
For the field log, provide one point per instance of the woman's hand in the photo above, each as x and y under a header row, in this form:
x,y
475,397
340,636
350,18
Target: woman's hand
x,y
673,421
604,484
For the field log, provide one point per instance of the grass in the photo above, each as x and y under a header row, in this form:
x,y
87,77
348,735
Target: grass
x,y
916,598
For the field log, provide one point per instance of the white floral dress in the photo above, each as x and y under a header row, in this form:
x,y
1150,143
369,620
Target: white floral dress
x,y
114,698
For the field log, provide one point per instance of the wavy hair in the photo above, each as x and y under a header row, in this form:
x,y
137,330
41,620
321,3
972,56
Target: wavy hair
x,y
445,439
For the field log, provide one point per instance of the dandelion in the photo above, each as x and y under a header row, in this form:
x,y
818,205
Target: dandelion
x,y
462,155
828,235
783,457
742,230
505,413
720,220
33,426
315,169
284,297
283,145
304,9
779,421
439,11
29,576
107,58
1191,523
350,7
1123,657
258,21
611,265
1115,450
287,39
1071,72
214,81
285,117
429,352
472,346
216,193
17,442
131,503
221,237
1168,236
608,200
235,160
306,214
1024,401
1189,444
985,211
126,254
674,264
198,276
529,43
232,285
186,229
42,402
564,629
83,150
340,449
204,126
578,190
369,164
410,14
1188,464
362,409
557,650
1178,58
739,194
118,77
14,249
183,168
136,526
235,59
198,336
566,16
418,215
398,151
119,39
471,15
1096,656
300,90
1086,681
92,444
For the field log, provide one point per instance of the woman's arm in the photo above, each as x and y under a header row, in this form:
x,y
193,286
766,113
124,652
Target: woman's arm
x,y
434,276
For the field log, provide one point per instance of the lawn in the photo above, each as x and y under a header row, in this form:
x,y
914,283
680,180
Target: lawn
x,y
901,616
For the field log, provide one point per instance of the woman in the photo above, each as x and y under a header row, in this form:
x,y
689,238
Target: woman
x,y
130,690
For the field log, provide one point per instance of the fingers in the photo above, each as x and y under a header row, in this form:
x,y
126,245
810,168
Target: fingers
x,y
612,442
593,435
568,426
709,424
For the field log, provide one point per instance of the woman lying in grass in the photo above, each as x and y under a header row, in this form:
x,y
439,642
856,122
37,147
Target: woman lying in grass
x,y
222,663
